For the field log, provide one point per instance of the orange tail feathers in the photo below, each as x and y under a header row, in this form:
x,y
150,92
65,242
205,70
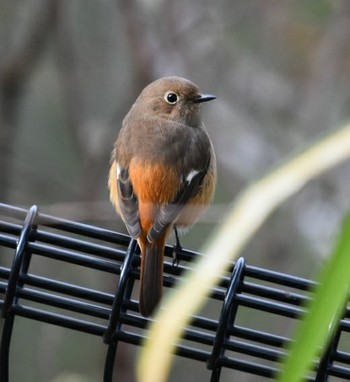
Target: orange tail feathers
x,y
151,281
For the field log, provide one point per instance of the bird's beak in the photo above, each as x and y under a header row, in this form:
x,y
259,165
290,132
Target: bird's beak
x,y
204,98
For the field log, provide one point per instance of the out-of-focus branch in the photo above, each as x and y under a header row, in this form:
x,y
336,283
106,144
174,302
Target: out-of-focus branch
x,y
139,44
67,59
326,70
15,70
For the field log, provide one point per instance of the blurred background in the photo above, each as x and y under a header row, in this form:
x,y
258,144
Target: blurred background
x,y
69,72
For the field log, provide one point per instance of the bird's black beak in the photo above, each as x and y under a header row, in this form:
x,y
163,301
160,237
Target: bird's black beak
x,y
204,98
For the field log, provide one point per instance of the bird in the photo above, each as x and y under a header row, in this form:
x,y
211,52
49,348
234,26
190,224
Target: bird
x,y
162,173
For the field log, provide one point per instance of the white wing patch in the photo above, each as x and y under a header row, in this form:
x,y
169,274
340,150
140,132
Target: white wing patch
x,y
118,170
191,174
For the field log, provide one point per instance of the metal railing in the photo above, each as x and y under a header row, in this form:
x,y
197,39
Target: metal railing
x,y
225,341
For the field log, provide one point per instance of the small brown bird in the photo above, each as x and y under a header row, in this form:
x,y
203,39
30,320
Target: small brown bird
x,y
163,173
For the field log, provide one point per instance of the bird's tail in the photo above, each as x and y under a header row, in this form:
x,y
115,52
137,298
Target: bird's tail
x,y
151,281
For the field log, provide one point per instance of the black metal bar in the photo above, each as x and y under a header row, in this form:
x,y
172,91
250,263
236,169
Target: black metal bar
x,y
270,307
59,319
67,225
280,278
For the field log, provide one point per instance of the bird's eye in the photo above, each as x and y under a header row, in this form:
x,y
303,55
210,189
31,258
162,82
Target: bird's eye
x,y
171,98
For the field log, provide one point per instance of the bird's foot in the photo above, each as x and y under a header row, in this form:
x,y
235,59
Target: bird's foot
x,y
177,248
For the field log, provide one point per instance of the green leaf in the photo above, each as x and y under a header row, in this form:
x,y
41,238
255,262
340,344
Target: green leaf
x,y
324,312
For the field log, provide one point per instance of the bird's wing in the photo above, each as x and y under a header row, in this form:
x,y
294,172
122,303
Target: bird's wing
x,y
128,203
169,212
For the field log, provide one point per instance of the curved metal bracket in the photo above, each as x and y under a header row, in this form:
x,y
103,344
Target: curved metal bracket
x,y
20,265
123,291
327,359
228,313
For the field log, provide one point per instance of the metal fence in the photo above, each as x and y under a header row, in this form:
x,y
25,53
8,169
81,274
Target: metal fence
x,y
223,341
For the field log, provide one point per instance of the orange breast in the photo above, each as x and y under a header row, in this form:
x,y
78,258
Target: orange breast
x,y
154,184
